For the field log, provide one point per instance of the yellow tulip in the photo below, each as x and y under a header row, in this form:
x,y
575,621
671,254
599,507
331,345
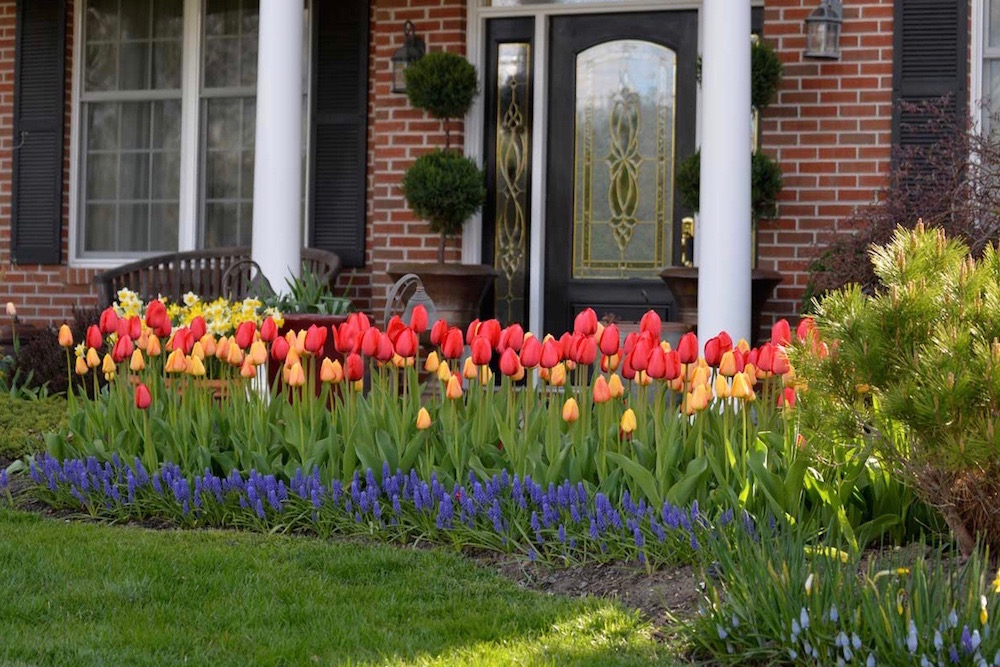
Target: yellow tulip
x,y
195,367
176,363
235,357
469,370
300,342
432,362
326,371
108,365
81,366
741,387
570,411
616,386
292,358
423,420
65,336
722,389
642,379
197,351
557,375
454,390
208,344
628,422
443,372
93,359
359,385
485,375
136,363
296,376
743,346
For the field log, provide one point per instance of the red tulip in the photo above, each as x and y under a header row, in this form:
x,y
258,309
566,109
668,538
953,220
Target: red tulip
x,y
156,315
94,337
566,345
122,350
639,358
418,319
359,321
471,331
651,324
370,341
122,328
511,337
586,350
490,330
531,352
787,397
244,334
143,399
315,339
551,354
806,328
182,340
713,352
781,333
393,328
109,320
725,342
268,329
585,322
656,367
198,327
406,343
627,371
765,358
687,348
481,351
354,369
610,340
438,332
780,365
347,337
673,367
279,349
453,345
509,363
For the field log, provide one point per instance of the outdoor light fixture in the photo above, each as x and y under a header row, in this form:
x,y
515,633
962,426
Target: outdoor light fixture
x,y
823,30
412,50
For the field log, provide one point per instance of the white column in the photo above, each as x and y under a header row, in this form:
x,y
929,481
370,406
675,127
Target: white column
x,y
724,224
277,183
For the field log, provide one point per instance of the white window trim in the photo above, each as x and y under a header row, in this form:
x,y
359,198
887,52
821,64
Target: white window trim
x,y
188,218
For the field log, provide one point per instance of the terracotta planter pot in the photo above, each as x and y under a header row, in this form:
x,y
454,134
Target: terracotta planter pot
x,y
301,322
456,289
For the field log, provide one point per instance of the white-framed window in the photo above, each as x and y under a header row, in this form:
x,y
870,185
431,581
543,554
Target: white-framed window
x,y
991,62
164,126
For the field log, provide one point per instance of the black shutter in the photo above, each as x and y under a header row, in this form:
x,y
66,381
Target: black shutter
x,y
340,129
39,99
929,62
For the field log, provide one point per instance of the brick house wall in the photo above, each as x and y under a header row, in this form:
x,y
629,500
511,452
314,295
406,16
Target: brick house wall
x,y
830,130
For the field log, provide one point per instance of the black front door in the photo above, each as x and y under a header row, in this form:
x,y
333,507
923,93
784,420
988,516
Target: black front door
x,y
622,93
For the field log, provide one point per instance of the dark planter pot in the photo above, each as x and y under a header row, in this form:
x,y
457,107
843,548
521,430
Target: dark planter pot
x,y
302,321
456,289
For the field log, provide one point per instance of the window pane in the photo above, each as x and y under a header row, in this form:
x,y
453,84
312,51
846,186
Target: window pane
x,y
133,44
102,177
167,124
102,126
168,18
102,21
134,179
100,227
991,93
134,66
165,175
227,184
133,227
163,227
167,65
135,20
230,44
135,125
101,67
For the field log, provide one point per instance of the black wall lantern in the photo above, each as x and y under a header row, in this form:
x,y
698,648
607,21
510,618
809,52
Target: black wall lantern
x,y
412,50
823,30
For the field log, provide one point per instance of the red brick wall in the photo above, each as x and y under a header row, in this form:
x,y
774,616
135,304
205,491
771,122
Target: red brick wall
x,y
830,130
42,294
398,135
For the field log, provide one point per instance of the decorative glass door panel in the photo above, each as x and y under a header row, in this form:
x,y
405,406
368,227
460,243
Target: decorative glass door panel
x,y
623,167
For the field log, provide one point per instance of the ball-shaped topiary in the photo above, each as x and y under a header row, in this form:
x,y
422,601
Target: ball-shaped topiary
x,y
445,189
765,74
442,84
765,183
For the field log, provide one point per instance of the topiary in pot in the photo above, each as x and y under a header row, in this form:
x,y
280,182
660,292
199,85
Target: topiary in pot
x,y
445,189
444,85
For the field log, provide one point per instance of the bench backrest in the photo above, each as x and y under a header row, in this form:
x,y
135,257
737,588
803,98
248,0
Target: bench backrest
x,y
199,271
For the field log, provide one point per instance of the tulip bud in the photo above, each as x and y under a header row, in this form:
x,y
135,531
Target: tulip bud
x,y
781,333
787,397
741,387
713,352
557,377
93,359
615,386
11,309
432,362
258,352
509,363
406,343
453,345
292,358
485,375
469,369
531,352
143,399
296,376
108,321
423,419
198,327
418,320
244,334
722,386
512,337
602,392
94,338
354,369
700,397
628,422
656,367
651,324
610,340
247,370
438,332
198,351
136,363
443,372
195,367
65,336
481,350
279,349
108,364
551,354
315,339
327,372
268,330
454,390
727,364
471,331
81,366
687,348
585,322
780,365
570,411
235,356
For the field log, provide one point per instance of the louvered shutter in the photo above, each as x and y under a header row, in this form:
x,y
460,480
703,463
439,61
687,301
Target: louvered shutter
x,y
340,129
39,99
929,62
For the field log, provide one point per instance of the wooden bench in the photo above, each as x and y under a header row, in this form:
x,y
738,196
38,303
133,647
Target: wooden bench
x,y
208,273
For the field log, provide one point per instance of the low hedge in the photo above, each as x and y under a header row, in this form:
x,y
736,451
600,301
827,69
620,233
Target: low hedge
x,y
24,422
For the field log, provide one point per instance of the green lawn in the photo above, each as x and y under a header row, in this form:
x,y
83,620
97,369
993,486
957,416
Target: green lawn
x,y
81,594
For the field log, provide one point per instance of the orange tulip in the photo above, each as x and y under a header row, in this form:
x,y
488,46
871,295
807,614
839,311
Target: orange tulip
x,y
176,363
247,369
454,390
602,392
469,370
570,411
557,375
65,336
235,356
222,348
296,376
292,358
628,422
432,362
727,365
208,344
81,366
197,351
722,389
93,359
742,387
615,386
153,347
423,420
258,353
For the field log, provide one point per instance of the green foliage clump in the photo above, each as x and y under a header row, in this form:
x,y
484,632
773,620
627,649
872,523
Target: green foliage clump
x,y
765,183
774,598
309,293
914,373
765,74
442,84
23,424
445,189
